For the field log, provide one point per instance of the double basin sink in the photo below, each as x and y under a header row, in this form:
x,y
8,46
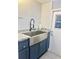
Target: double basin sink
x,y
36,36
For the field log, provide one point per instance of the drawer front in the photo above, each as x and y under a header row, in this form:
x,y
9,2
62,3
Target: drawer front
x,y
23,44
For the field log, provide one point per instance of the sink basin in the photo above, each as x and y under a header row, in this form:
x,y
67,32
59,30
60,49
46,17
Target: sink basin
x,y
36,36
34,33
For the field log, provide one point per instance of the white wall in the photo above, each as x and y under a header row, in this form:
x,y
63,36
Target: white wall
x,y
31,9
56,4
46,15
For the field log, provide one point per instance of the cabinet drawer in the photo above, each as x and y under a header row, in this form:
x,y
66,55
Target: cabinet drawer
x,y
23,44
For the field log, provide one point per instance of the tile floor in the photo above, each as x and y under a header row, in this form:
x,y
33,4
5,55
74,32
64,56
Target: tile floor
x,y
50,55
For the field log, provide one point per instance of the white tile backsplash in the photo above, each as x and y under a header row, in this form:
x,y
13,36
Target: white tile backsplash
x,y
33,10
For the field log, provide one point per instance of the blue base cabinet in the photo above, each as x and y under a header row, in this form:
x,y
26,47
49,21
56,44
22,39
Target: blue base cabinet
x,y
48,40
37,50
34,51
23,49
42,47
24,54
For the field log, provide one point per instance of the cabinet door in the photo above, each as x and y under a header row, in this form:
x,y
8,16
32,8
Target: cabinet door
x,y
47,43
24,54
48,40
42,47
34,50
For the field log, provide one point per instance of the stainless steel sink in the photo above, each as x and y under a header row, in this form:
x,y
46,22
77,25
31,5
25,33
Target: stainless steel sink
x,y
34,33
36,36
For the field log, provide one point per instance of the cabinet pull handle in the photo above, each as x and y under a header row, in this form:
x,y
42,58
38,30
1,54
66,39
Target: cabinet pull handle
x,y
24,46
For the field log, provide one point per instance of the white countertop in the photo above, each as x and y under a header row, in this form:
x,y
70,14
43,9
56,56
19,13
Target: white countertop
x,y
22,37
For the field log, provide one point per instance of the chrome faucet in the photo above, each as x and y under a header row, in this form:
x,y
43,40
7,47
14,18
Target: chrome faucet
x,y
32,25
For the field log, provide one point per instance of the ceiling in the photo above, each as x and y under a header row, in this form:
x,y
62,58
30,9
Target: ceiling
x,y
43,1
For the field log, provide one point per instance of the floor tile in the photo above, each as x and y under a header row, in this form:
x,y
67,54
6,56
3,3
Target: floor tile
x,y
50,55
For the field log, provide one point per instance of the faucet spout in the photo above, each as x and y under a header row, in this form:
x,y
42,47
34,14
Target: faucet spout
x,y
32,22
